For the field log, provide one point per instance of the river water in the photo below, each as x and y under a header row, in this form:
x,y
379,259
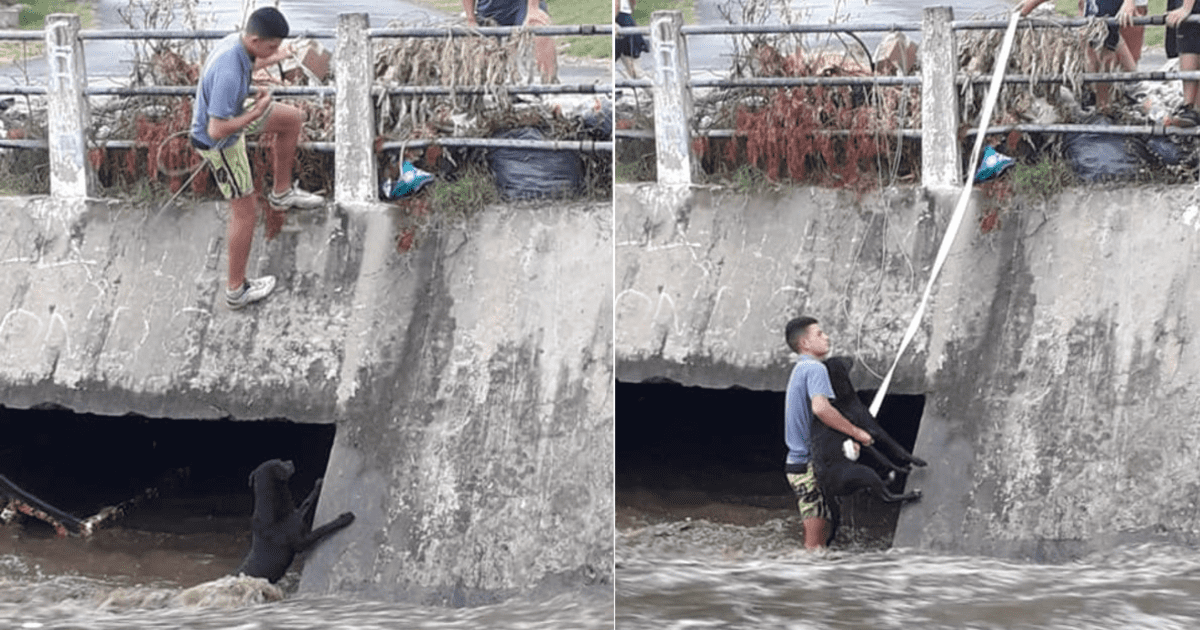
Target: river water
x,y
698,574
125,577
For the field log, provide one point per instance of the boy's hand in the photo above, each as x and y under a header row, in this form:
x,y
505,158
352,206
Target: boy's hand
x,y
537,18
1125,14
262,99
1178,15
1029,5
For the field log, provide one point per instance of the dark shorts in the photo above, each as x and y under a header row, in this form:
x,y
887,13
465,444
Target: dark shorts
x,y
516,19
1107,8
630,45
1186,38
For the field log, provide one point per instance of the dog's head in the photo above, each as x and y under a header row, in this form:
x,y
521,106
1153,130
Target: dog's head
x,y
272,498
839,376
273,470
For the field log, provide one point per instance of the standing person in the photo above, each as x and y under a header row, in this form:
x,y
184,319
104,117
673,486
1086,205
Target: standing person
x,y
519,13
1114,52
224,115
1187,44
629,47
809,394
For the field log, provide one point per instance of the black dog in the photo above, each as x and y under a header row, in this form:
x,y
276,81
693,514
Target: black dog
x,y
834,460
851,406
280,530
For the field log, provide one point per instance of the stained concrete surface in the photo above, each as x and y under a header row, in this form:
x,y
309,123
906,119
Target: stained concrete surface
x,y
469,377
1056,359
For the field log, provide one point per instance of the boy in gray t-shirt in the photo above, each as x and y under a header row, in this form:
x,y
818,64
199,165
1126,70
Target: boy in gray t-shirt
x,y
224,114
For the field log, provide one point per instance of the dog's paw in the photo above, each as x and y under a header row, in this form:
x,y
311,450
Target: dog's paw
x,y
917,494
345,518
317,483
917,461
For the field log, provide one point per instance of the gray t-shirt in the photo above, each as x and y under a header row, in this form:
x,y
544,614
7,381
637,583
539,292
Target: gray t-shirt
x,y
224,86
809,378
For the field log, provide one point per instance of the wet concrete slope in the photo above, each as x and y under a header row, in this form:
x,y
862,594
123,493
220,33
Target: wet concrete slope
x,y
1064,381
469,377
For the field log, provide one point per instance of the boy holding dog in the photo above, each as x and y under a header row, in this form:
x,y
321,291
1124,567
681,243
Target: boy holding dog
x,y
809,393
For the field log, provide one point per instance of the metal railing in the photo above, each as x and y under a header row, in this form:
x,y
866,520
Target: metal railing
x,y
940,82
67,92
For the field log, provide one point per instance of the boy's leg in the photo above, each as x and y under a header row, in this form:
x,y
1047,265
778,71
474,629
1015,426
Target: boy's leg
x,y
231,169
285,122
1189,61
240,236
1135,36
543,47
816,530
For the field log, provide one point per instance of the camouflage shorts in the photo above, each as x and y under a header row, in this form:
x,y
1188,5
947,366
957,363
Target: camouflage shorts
x,y
808,497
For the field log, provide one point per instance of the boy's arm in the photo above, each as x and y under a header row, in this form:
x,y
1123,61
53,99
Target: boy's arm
x,y
220,128
284,52
827,413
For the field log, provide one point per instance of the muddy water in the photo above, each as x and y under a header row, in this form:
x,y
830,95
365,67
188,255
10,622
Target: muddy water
x,y
127,578
701,574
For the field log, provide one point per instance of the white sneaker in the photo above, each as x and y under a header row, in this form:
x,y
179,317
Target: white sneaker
x,y
253,290
294,198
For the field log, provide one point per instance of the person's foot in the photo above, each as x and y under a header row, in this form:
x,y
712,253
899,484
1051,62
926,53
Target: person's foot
x,y
993,164
252,290
294,198
1185,116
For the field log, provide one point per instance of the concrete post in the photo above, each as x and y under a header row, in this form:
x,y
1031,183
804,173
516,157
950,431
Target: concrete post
x,y
354,164
67,109
941,160
672,99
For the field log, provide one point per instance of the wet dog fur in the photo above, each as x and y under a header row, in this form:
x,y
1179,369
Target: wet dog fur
x,y
838,475
279,529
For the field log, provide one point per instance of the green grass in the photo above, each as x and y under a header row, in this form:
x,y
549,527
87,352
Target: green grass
x,y
643,9
472,191
33,18
33,15
588,12
1154,34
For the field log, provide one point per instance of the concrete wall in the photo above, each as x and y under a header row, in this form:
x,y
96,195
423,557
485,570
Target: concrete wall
x,y
706,280
1057,358
470,377
1064,381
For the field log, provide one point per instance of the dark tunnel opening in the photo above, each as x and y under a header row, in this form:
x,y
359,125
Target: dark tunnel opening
x,y
198,469
681,450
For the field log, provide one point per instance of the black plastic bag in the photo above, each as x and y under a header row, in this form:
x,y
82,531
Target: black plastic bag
x,y
535,173
1098,157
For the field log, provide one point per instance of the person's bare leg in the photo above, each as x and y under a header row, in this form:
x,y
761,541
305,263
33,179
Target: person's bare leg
x,y
1135,36
240,236
1188,61
816,530
547,59
285,122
